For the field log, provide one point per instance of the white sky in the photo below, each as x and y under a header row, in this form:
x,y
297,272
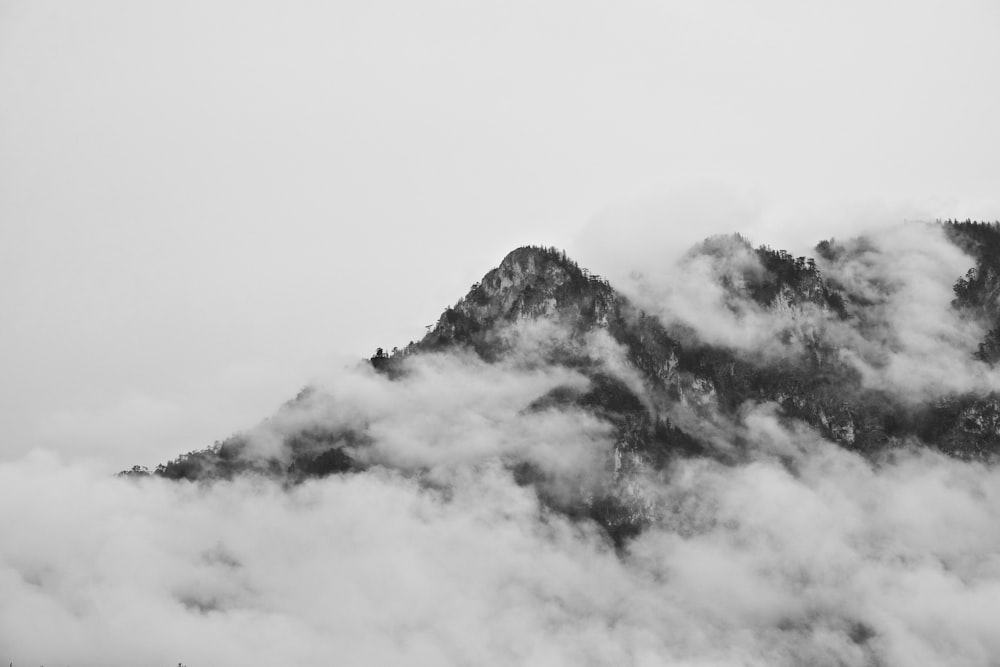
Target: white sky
x,y
204,204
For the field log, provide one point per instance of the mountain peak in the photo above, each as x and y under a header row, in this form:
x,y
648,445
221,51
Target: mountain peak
x,y
530,282
530,255
525,253
535,266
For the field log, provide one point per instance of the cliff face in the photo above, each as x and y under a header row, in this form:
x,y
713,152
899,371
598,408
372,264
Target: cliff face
x,y
662,390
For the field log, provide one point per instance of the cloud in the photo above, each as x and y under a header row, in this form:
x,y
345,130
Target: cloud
x,y
905,337
901,334
804,554
693,293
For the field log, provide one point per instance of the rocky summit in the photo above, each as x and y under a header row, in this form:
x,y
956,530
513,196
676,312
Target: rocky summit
x,y
831,344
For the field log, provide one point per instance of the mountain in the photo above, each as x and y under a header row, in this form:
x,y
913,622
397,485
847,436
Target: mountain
x,y
850,343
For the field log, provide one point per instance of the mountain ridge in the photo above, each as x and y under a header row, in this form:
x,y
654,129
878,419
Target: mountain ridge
x,y
662,389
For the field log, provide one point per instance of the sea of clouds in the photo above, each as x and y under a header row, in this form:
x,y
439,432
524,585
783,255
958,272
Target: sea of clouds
x,y
807,554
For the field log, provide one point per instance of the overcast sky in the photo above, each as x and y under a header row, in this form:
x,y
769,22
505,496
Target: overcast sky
x,y
204,204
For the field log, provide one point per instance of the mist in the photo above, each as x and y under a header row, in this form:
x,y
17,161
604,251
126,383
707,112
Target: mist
x,y
797,552
900,332
833,560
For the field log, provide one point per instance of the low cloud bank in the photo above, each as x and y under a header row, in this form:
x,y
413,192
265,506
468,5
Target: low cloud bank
x,y
805,553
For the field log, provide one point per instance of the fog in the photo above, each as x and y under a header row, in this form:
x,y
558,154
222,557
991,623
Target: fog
x,y
830,561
